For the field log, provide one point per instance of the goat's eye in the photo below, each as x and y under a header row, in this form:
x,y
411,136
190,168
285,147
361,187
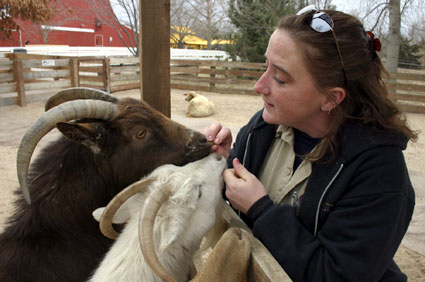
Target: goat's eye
x,y
141,134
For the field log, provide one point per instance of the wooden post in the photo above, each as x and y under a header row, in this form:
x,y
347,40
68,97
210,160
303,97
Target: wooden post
x,y
73,67
154,52
107,74
212,77
18,72
263,267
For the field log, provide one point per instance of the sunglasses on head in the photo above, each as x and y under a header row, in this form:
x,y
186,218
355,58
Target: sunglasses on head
x,y
322,22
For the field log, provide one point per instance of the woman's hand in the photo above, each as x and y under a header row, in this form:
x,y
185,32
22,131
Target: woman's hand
x,y
243,189
221,136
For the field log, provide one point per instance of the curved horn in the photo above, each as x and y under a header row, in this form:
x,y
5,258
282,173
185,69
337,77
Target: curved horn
x,y
64,112
146,227
78,93
105,223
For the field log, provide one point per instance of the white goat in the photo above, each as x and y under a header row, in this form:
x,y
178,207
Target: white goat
x,y
179,205
199,105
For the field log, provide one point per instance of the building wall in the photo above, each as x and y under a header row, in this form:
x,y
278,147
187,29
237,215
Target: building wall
x,y
85,28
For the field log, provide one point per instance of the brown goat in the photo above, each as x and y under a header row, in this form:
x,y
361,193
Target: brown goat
x,y
55,238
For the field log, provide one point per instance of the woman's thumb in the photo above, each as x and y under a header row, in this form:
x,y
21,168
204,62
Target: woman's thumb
x,y
240,170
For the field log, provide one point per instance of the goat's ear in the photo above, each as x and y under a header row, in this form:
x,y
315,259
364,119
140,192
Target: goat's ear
x,y
120,217
179,209
123,214
188,96
97,213
83,133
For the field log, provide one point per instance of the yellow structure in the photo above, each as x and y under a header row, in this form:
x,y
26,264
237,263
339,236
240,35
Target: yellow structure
x,y
191,41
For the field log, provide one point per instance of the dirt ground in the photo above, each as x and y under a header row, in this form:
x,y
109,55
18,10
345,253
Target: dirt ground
x,y
233,111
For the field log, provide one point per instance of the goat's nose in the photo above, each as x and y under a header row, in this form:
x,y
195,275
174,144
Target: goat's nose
x,y
203,139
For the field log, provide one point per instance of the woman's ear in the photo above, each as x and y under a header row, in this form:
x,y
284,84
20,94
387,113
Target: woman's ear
x,y
334,97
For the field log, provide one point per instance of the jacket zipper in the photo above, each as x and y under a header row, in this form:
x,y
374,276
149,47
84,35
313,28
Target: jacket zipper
x,y
323,194
244,157
248,141
316,223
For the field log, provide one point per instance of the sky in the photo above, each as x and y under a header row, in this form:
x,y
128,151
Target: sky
x,y
414,13
345,5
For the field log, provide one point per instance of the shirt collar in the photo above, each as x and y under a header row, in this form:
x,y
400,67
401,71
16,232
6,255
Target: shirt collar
x,y
285,133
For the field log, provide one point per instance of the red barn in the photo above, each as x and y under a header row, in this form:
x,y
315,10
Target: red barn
x,y
76,23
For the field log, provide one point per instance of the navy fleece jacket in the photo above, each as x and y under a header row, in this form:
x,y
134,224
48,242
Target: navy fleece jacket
x,y
353,215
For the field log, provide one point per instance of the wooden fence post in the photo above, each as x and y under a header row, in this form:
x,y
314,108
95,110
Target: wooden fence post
x,y
75,78
107,74
154,48
18,72
212,77
391,82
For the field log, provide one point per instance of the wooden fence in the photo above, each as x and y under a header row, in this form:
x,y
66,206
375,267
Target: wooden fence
x,y
263,267
215,76
25,78
407,89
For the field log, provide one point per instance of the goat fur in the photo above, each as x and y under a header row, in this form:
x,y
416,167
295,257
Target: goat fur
x,y
179,227
55,238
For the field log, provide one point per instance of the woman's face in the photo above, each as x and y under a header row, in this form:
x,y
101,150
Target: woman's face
x,y
287,88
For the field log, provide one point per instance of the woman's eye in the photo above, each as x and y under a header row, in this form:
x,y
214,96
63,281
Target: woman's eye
x,y
279,81
141,134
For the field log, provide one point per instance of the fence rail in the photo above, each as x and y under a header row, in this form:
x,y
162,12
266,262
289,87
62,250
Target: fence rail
x,y
82,51
215,76
28,77
407,89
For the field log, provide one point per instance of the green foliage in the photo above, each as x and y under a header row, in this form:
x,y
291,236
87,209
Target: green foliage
x,y
255,21
408,56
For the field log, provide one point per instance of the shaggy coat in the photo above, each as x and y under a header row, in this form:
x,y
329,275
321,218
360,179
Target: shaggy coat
x,y
181,223
55,237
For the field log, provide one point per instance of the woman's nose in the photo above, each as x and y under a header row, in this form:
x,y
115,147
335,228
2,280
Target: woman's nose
x,y
261,86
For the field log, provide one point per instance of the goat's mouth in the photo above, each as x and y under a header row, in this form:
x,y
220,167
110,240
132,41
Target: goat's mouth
x,y
195,151
197,146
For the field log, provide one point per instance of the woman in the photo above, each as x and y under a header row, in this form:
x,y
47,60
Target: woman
x,y
319,174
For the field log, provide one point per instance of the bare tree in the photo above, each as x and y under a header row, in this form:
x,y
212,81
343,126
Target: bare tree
x,y
394,36
388,19
11,11
207,18
210,18
323,4
41,31
415,21
182,19
123,17
417,33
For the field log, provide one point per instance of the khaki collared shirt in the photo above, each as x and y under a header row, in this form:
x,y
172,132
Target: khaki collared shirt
x,y
277,174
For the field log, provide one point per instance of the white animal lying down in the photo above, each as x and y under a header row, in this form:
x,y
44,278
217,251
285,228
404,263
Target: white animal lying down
x,y
179,207
199,105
